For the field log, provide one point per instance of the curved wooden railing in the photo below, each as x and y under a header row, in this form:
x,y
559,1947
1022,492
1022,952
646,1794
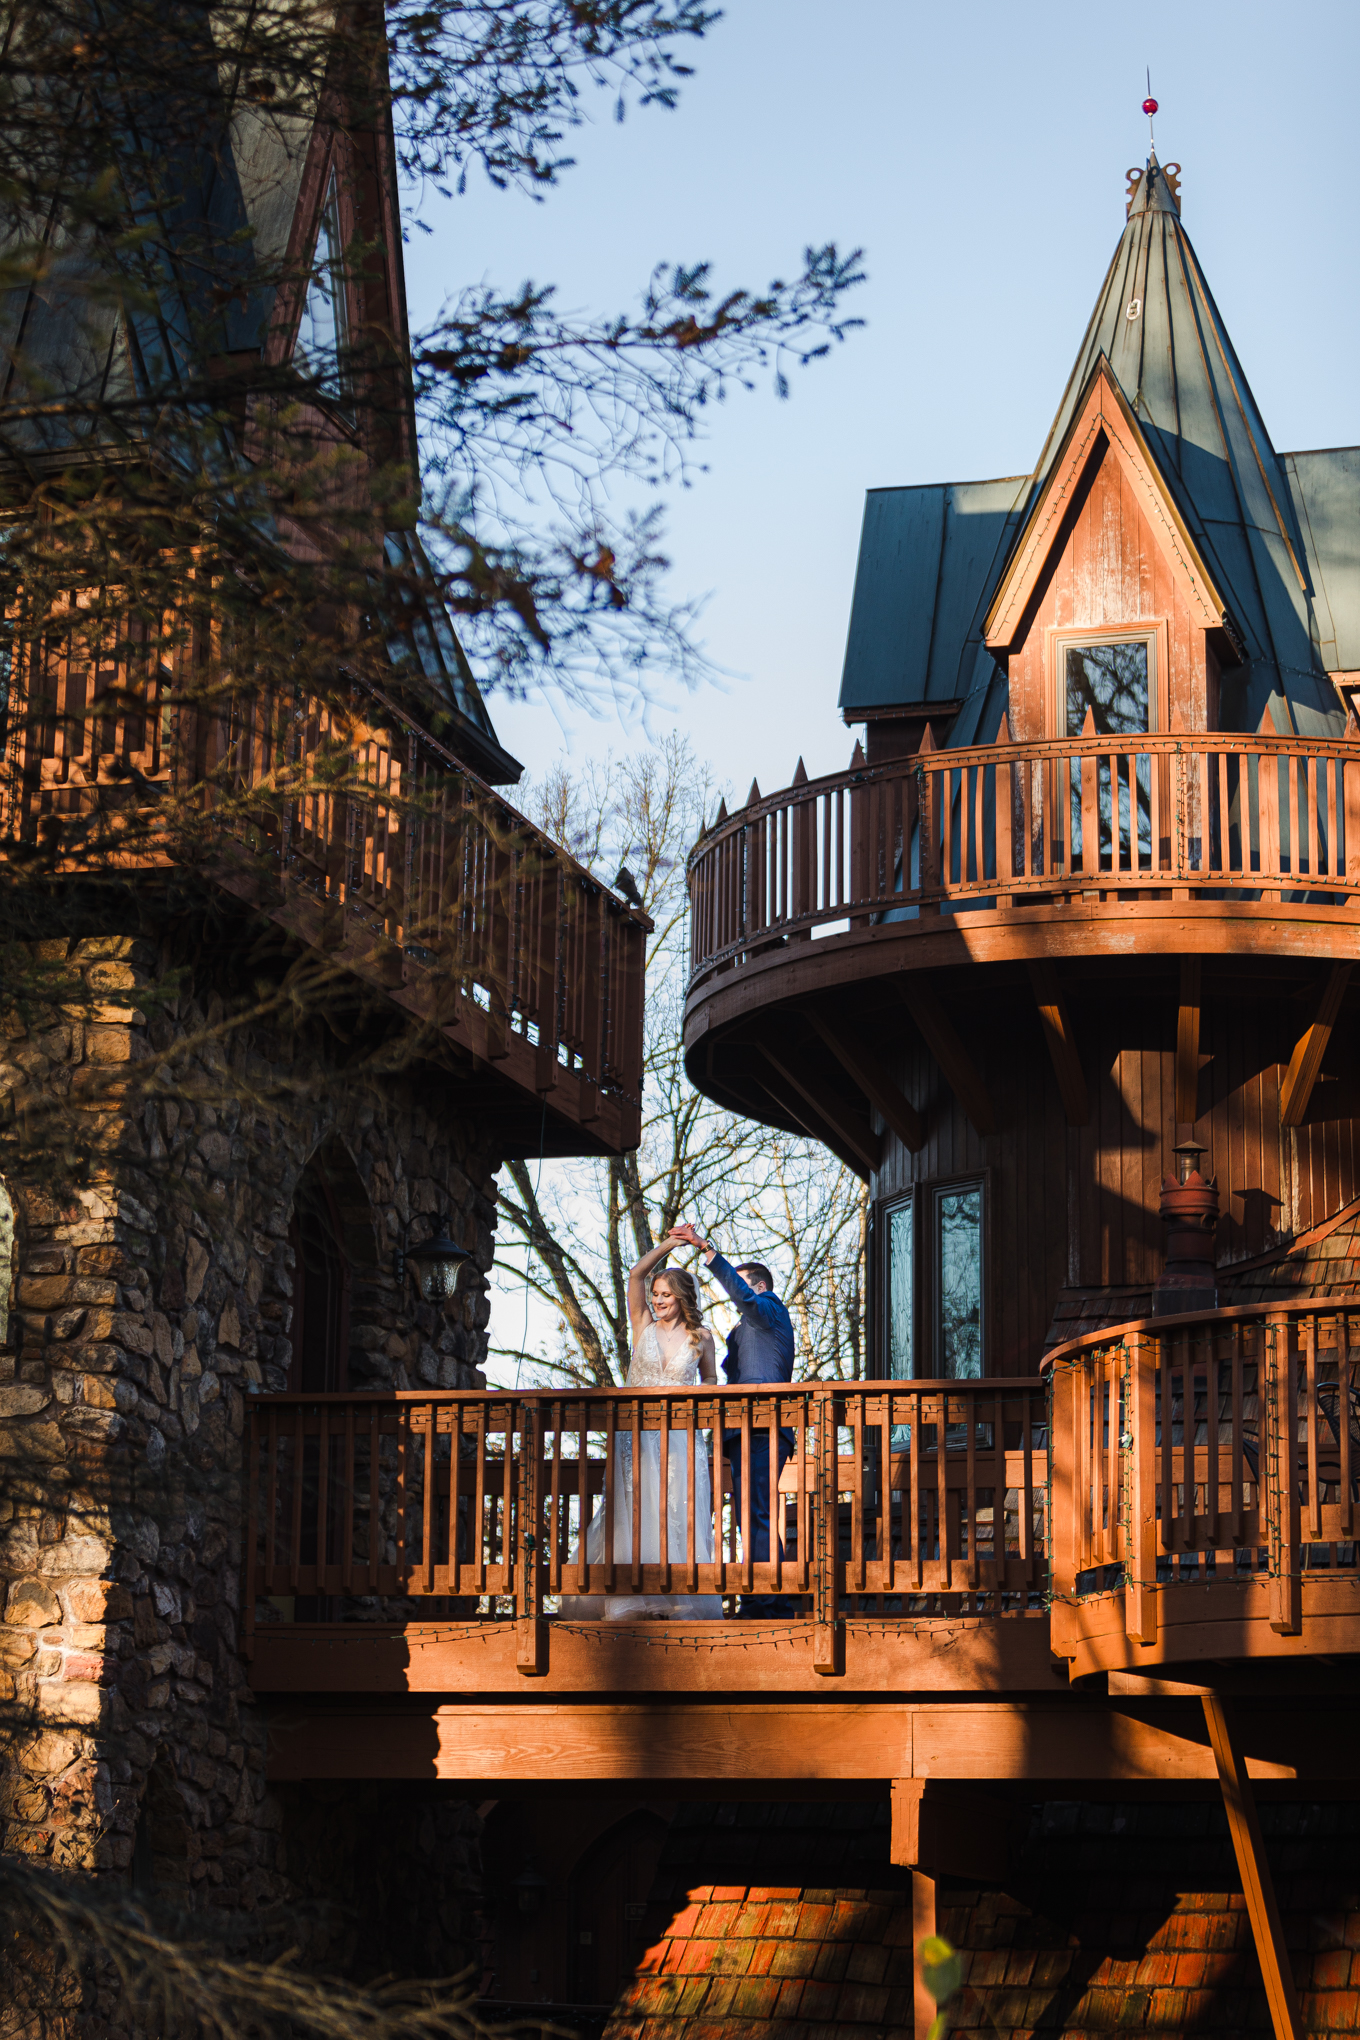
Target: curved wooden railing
x,y
1206,1487
1004,825
480,1497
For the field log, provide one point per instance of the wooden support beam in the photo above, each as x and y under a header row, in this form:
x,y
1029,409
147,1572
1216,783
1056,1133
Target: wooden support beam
x,y
1187,1043
851,1128
792,1105
1310,1048
956,1065
924,1924
1062,1042
950,1830
877,1083
1239,1803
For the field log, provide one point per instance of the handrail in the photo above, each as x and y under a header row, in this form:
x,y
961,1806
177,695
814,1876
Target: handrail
x,y
346,800
1224,1446
480,1496
1057,820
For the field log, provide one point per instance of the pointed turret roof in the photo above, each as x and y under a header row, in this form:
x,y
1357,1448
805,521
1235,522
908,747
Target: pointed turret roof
x,y
1163,336
1290,588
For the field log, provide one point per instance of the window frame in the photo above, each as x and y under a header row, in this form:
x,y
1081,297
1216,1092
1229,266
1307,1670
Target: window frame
x,y
911,1197
330,218
927,1324
979,1179
1153,634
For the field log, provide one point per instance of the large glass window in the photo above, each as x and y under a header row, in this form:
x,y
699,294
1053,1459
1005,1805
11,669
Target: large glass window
x,y
1113,682
901,1291
323,330
958,1281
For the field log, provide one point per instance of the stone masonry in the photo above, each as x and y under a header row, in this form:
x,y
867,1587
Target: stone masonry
x,y
151,1294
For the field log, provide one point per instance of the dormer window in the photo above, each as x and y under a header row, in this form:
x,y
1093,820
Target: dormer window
x,y
323,330
1113,678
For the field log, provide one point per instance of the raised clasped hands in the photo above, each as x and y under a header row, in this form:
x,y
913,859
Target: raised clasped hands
x,y
690,1235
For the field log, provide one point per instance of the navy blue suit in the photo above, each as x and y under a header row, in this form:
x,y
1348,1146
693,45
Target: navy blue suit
x,y
760,1347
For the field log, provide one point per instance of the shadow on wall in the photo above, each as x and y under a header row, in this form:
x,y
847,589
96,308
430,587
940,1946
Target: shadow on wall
x,y
1118,1918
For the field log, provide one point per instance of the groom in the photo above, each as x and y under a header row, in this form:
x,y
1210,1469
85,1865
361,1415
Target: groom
x,y
760,1347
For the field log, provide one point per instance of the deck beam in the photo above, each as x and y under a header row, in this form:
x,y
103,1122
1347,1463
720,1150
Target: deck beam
x,y
1062,1041
1306,1062
956,1065
876,1082
1267,1930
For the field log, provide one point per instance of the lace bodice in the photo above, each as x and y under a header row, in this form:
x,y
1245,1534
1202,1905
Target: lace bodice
x,y
649,1367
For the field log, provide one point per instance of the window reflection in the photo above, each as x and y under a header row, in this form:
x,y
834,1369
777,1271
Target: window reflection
x,y
1112,682
958,1235
901,1319
322,329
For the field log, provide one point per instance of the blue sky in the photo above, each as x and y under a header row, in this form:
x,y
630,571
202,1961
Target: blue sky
x,y
977,153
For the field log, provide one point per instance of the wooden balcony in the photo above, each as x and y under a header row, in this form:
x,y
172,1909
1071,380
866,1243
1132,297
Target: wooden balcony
x,y
1090,845
900,1504
1206,1490
360,834
409,1625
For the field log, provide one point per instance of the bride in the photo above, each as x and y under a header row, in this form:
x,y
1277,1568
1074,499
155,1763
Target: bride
x,y
671,1343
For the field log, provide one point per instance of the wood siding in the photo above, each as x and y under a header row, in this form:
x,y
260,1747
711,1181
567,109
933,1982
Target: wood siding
x,y
1075,1208
1108,571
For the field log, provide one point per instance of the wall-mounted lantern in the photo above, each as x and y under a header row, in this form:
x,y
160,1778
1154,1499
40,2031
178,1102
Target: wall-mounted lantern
x,y
436,1264
530,1889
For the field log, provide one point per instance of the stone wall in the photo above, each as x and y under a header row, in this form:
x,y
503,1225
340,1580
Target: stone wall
x,y
152,1150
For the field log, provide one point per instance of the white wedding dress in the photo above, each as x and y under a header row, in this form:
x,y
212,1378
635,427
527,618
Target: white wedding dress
x,y
649,1368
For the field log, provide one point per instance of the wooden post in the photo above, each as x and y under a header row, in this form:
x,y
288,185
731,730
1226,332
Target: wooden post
x,y
924,1918
1281,1483
828,1650
1140,1414
531,1640
1267,1932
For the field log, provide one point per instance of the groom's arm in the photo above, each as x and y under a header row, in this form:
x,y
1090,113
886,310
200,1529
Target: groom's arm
x,y
747,1300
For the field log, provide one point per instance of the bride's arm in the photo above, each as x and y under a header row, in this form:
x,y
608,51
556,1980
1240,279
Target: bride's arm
x,y
637,1283
708,1365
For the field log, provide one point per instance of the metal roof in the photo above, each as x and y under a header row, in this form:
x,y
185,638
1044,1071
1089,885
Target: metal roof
x,y
1277,533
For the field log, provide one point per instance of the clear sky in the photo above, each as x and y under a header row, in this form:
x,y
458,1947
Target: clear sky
x,y
976,151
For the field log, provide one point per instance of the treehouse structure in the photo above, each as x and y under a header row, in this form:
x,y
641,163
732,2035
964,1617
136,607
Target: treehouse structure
x,y
1060,966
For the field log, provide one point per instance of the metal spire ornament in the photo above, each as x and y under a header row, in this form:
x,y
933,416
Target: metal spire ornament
x,y
1149,108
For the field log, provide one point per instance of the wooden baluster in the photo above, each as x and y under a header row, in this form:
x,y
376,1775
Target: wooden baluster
x,y
296,1554
455,1479
374,1500
526,1578
1286,1585
1211,1439
1225,863
916,1450
947,1554
1238,1437
509,1478
747,1575
827,1653
479,1536
583,1500
691,1527
1003,806
610,1423
776,1501
1310,1408
1343,1417
1187,1443
931,799
1026,1523
1268,814
1140,1598
719,1539
860,886
554,1531
970,1490
1349,768
323,1449
1083,1463
635,1572
887,1562
427,1510
1168,1488
854,1416
663,1545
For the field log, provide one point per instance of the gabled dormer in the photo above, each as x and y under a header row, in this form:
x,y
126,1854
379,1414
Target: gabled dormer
x,y
1106,604
1159,519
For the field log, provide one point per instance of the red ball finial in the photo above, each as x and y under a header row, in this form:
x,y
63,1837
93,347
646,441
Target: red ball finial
x,y
1149,107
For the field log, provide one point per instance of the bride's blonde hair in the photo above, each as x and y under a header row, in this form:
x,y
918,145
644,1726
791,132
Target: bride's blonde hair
x,y
685,1290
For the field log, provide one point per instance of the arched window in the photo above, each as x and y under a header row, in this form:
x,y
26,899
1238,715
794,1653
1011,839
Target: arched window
x,y
320,1330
